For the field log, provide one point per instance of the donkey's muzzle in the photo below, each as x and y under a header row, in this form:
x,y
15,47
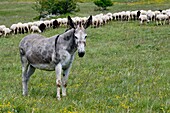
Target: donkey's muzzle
x,y
81,54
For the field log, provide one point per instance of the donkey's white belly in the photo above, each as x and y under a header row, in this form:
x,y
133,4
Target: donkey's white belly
x,y
65,60
48,67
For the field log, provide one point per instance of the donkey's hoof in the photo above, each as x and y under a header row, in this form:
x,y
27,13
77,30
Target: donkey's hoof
x,y
25,94
58,98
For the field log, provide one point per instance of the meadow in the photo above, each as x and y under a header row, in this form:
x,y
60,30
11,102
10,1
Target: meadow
x,y
125,69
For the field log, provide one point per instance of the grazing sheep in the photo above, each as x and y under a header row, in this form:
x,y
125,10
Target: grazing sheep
x,y
42,27
151,15
14,28
115,16
127,15
25,28
110,16
47,23
1,28
94,22
143,18
83,20
35,29
62,21
6,31
55,24
20,28
138,14
161,19
134,15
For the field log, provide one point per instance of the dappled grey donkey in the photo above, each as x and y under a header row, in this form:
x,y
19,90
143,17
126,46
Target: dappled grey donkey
x,y
54,53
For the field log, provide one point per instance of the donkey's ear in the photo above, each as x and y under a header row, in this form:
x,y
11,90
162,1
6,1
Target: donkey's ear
x,y
88,22
70,22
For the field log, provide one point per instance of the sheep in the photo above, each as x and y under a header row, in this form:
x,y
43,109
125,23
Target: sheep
x,y
110,16
42,27
35,29
122,15
25,28
46,22
76,20
94,22
1,28
115,16
20,28
6,31
62,21
161,19
30,24
127,15
14,28
105,19
143,18
151,15
134,14
55,24
138,14
83,20
99,20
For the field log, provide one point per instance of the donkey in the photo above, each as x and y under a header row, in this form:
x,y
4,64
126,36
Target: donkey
x,y
53,54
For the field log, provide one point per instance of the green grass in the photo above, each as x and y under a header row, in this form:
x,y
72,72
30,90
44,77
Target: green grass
x,y
125,69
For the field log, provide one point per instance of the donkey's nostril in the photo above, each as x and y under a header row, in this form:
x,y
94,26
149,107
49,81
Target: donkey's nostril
x,y
81,54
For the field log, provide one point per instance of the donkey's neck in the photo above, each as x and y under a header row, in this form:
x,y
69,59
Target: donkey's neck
x,y
66,42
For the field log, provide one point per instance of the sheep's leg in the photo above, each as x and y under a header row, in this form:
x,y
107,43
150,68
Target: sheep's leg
x,y
58,70
156,22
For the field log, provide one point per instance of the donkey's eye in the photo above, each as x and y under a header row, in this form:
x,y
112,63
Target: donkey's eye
x,y
85,36
76,37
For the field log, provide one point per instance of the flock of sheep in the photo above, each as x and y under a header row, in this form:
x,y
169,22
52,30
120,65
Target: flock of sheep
x,y
161,17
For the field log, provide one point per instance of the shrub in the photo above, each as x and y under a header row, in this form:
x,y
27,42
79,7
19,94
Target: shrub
x,y
103,3
45,7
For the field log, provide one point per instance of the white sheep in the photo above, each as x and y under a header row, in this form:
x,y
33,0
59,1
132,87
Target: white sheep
x,y
95,22
134,14
14,28
127,15
115,16
83,19
1,28
35,29
6,31
20,28
151,15
161,19
143,18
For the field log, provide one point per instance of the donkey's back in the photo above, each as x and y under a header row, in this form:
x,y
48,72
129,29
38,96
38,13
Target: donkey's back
x,y
38,50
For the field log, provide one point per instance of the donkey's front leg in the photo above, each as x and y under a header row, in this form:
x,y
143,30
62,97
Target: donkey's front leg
x,y
65,77
64,81
58,70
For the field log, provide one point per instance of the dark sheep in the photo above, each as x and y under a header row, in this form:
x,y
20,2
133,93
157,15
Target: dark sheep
x,y
55,24
138,14
42,27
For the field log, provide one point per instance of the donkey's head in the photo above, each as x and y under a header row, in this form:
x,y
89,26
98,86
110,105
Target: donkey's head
x,y
80,34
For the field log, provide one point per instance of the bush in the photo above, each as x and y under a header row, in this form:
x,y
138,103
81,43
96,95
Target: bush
x,y
103,3
45,7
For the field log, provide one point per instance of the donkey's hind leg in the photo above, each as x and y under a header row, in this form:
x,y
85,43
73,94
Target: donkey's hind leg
x,y
27,71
